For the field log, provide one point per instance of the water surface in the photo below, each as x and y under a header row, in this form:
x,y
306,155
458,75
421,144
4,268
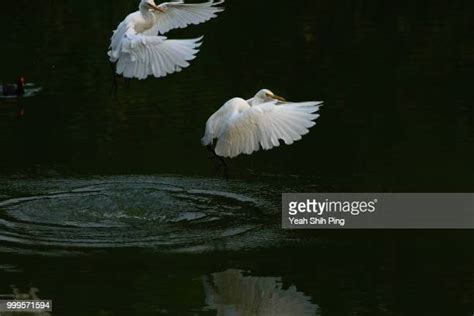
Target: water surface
x,y
110,206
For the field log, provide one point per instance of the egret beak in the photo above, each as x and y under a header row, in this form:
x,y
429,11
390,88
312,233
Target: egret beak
x,y
277,97
156,8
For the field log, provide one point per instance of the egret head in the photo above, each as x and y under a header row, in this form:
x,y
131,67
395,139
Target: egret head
x,y
147,5
266,95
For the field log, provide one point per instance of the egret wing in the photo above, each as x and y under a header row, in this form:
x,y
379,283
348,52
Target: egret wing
x,y
139,55
217,123
179,14
265,125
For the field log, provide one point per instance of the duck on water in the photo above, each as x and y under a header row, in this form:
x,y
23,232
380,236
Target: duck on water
x,y
9,89
18,89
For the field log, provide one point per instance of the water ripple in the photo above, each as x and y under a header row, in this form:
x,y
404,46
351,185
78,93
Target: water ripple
x,y
161,213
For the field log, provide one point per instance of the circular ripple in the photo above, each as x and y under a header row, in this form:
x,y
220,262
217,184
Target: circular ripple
x,y
163,213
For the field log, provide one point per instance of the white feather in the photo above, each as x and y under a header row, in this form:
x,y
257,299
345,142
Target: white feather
x,y
241,128
179,14
138,50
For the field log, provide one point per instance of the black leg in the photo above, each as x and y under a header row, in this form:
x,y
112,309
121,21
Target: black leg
x,y
220,162
214,155
114,79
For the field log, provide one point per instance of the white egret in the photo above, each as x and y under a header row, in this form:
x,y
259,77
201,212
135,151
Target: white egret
x,y
232,293
243,126
138,49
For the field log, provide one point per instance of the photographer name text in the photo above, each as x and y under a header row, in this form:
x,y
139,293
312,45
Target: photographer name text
x,y
323,213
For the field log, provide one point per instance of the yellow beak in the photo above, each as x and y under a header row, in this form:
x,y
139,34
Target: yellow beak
x,y
156,8
276,97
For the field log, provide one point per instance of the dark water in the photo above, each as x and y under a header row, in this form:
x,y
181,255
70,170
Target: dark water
x,y
110,206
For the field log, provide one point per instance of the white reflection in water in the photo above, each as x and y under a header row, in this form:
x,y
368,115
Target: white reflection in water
x,y
17,294
231,293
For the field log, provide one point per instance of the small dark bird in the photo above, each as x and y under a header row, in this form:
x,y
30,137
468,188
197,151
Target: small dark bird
x,y
10,89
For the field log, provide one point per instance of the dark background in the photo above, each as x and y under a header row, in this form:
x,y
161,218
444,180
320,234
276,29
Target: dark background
x,y
396,78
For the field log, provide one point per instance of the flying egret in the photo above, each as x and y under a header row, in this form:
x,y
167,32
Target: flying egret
x,y
243,126
139,51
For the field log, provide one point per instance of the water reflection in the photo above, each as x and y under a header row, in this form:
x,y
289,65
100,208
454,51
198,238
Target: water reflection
x,y
18,294
232,293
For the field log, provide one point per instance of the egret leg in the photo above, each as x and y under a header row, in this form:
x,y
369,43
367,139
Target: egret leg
x,y
220,162
114,79
214,155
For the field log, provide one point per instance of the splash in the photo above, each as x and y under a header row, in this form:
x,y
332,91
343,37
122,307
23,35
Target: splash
x,y
160,213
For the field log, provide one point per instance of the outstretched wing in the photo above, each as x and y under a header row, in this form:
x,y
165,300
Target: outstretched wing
x,y
265,125
139,55
179,14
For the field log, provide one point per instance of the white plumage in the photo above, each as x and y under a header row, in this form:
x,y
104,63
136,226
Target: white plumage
x,y
138,49
243,126
233,293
